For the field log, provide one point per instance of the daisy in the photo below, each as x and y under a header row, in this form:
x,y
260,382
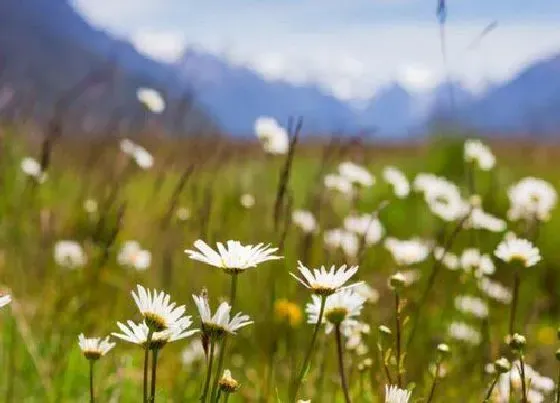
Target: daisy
x,y
325,282
273,137
530,199
472,305
518,250
408,252
344,305
338,183
398,180
480,154
221,322
463,332
394,394
132,255
495,290
138,153
137,333
234,258
472,261
366,225
159,314
356,174
31,167
94,348
345,240
305,221
479,219
151,99
69,254
5,300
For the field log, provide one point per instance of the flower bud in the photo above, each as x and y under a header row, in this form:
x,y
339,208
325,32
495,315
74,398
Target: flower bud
x,y
397,281
443,349
502,365
385,332
516,342
227,383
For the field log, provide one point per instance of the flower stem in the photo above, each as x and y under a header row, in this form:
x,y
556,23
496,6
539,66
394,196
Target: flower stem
x,y
154,370
515,297
221,356
341,363
398,338
491,389
209,371
226,397
91,394
523,381
434,383
558,387
303,370
146,359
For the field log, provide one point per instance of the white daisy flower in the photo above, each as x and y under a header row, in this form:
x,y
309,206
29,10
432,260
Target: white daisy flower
x,y
132,255
138,153
495,290
221,322
480,154
370,294
325,282
472,306
344,305
539,386
151,99
5,300
394,394
366,225
338,183
462,332
305,221
407,252
31,167
137,333
273,137
397,180
94,348
448,259
159,314
479,219
247,200
234,257
345,240
356,174
518,250
472,261
69,254
530,199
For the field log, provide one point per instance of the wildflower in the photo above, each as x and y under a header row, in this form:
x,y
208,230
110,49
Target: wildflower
x,y
516,342
151,99
138,153
538,385
90,206
445,201
227,384
366,225
69,254
479,219
478,153
448,259
345,240
518,250
288,312
356,174
305,221
273,137
159,314
182,214
234,258
338,183
531,199
32,168
393,394
192,353
397,281
495,290
94,348
471,305
137,333
132,255
355,331
247,200
220,323
472,261
463,332
398,180
5,300
342,306
368,293
407,252
502,365
325,282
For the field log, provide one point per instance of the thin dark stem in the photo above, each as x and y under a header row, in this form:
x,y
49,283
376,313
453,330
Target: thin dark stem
x,y
558,387
154,370
341,364
91,394
434,383
398,338
309,350
146,363
221,356
209,371
491,389
523,381
513,312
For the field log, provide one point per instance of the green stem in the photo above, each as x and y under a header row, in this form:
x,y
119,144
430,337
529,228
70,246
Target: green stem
x,y
398,338
434,383
385,367
209,371
491,389
146,360
226,397
515,297
91,394
303,370
221,356
154,370
341,364
523,381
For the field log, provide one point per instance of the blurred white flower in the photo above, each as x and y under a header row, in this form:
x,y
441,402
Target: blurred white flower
x,y
234,257
397,180
448,259
370,294
151,99
5,300
94,348
480,154
366,225
472,261
133,256
408,252
462,332
495,290
444,199
193,353
345,240
137,333
356,174
69,254
410,276
354,332
325,282
220,323
394,394
90,206
183,214
338,183
539,386
518,250
479,219
159,314
247,200
273,137
305,221
531,199
342,306
472,305
138,153
32,168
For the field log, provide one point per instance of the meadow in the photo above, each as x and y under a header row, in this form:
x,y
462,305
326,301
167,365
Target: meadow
x,y
431,315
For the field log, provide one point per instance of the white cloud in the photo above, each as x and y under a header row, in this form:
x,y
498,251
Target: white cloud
x,y
162,46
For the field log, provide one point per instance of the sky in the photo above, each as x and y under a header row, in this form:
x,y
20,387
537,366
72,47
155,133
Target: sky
x,y
352,48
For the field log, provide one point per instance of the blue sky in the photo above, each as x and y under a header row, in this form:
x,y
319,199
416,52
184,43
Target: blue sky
x,y
349,47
